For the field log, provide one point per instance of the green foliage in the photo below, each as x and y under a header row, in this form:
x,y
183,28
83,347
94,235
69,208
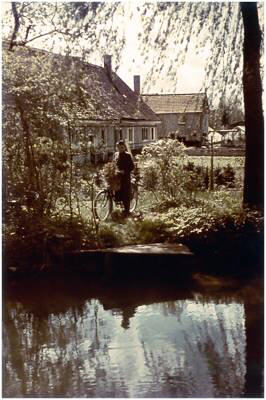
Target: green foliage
x,y
233,164
216,226
34,243
213,224
150,179
165,171
40,170
71,27
90,29
108,236
198,177
224,176
147,230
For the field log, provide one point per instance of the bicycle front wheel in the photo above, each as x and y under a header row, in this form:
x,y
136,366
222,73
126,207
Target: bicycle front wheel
x,y
134,200
102,205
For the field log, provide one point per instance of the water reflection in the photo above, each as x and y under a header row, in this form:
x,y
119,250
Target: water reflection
x,y
104,344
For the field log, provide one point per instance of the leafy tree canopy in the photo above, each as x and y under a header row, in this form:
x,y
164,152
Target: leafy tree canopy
x,y
165,33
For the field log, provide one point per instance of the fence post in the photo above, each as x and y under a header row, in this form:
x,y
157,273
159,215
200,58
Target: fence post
x,y
211,186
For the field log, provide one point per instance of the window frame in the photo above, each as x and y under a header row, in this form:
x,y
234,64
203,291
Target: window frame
x,y
118,134
130,131
145,133
152,133
103,136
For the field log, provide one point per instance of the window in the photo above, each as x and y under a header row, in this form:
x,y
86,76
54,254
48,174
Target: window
x,y
118,134
152,133
91,138
144,133
79,133
103,138
181,119
130,134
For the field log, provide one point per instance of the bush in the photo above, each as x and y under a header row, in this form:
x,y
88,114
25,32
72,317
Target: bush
x,y
148,230
225,231
108,236
40,243
224,176
150,179
163,167
198,178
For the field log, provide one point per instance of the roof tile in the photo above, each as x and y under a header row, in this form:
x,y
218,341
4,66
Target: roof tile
x,y
104,97
175,103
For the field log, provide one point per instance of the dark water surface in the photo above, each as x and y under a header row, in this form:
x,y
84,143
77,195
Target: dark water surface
x,y
85,339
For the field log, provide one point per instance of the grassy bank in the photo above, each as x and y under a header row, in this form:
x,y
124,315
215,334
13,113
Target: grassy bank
x,y
174,206
213,225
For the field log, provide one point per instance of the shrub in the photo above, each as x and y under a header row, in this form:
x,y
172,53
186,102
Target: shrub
x,y
150,179
108,236
224,176
148,230
228,231
163,169
39,243
197,178
229,176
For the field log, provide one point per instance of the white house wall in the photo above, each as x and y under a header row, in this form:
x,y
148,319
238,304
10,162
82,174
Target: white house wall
x,y
104,150
137,141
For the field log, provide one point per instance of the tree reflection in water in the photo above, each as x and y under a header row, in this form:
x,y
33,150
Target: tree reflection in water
x,y
105,344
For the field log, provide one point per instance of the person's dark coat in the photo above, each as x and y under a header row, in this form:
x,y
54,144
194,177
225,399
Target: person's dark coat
x,y
125,164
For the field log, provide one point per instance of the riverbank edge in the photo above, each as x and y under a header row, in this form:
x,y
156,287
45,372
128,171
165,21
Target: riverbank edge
x,y
236,257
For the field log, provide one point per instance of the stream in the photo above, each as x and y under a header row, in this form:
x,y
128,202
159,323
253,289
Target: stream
x,y
78,338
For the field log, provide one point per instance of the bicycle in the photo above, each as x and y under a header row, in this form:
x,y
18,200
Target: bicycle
x,y
104,201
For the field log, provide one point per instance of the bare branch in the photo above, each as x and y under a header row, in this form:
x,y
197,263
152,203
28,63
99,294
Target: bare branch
x,y
55,12
47,33
16,27
27,32
43,34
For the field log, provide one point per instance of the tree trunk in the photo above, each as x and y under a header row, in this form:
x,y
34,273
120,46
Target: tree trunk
x,y
254,326
254,123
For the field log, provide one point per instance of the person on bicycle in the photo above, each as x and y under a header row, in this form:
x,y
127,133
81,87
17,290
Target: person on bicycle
x,y
125,166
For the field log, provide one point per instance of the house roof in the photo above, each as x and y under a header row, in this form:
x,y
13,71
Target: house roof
x,y
176,103
105,96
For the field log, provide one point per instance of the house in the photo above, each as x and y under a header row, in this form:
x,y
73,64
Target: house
x,y
184,116
120,114
214,137
101,109
234,137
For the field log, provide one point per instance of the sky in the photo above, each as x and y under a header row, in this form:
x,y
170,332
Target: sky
x,y
190,75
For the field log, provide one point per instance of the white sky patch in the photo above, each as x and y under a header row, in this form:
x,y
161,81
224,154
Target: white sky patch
x,y
187,78
190,75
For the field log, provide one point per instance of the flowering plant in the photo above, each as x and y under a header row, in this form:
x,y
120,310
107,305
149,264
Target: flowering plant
x,y
112,176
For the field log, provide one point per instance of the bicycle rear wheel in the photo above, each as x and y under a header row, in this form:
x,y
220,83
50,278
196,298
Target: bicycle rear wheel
x,y
102,205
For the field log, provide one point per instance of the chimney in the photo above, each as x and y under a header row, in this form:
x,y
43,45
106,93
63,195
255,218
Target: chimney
x,y
107,60
137,84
